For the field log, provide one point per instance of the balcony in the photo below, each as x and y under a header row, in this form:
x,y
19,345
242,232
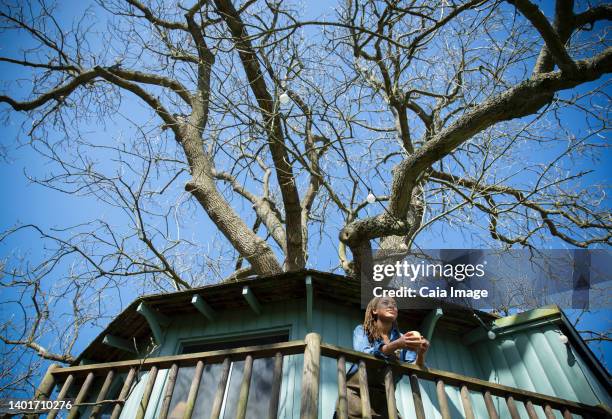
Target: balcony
x,y
89,385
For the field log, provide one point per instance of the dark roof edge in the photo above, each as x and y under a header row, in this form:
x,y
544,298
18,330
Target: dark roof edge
x,y
134,304
598,368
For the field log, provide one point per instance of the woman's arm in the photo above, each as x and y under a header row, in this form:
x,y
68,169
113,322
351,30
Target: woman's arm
x,y
409,340
391,347
361,343
420,359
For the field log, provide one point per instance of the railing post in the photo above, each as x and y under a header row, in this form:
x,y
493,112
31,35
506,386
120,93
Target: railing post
x,y
146,395
45,388
364,392
80,398
416,396
490,405
442,399
95,412
218,401
567,414
61,395
245,387
125,391
277,379
342,396
390,393
514,414
310,379
530,410
193,390
163,413
467,403
548,412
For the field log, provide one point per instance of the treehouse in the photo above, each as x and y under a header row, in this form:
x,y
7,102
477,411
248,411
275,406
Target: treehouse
x,y
280,346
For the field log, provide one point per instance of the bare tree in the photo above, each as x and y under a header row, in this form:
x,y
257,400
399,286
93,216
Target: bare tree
x,y
386,121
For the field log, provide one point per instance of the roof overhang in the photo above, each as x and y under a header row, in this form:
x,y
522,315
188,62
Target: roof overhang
x,y
130,324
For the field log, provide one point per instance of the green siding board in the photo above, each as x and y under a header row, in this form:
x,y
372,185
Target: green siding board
x,y
533,362
502,369
567,357
536,373
551,367
599,392
442,360
556,367
455,357
454,350
405,404
498,375
470,368
482,352
458,367
428,394
517,370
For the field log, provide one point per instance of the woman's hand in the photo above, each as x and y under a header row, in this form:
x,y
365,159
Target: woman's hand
x,y
410,340
421,352
424,346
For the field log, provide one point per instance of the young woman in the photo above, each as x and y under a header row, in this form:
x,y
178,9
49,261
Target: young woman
x,y
380,336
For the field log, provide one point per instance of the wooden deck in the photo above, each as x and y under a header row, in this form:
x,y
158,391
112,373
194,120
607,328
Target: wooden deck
x,y
313,349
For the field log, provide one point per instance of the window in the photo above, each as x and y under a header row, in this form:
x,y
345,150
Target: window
x,y
236,342
260,386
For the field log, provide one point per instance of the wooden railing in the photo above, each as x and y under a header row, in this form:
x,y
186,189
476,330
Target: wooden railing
x,y
313,349
511,395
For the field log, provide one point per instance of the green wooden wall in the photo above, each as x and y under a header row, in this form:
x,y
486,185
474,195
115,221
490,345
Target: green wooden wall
x,y
533,359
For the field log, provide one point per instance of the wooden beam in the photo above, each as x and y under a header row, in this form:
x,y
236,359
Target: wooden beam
x,y
193,390
514,414
146,395
45,388
61,395
468,411
203,307
390,393
309,404
342,396
490,405
428,324
125,391
259,351
156,321
308,282
245,387
218,400
80,398
366,408
95,411
442,399
165,408
248,295
419,411
277,378
119,343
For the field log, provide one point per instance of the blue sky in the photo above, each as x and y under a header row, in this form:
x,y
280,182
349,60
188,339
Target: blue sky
x,y
27,203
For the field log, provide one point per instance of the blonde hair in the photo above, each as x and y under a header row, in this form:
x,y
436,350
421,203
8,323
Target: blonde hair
x,y
370,326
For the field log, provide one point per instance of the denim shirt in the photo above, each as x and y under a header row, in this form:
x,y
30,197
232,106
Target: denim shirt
x,y
362,343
